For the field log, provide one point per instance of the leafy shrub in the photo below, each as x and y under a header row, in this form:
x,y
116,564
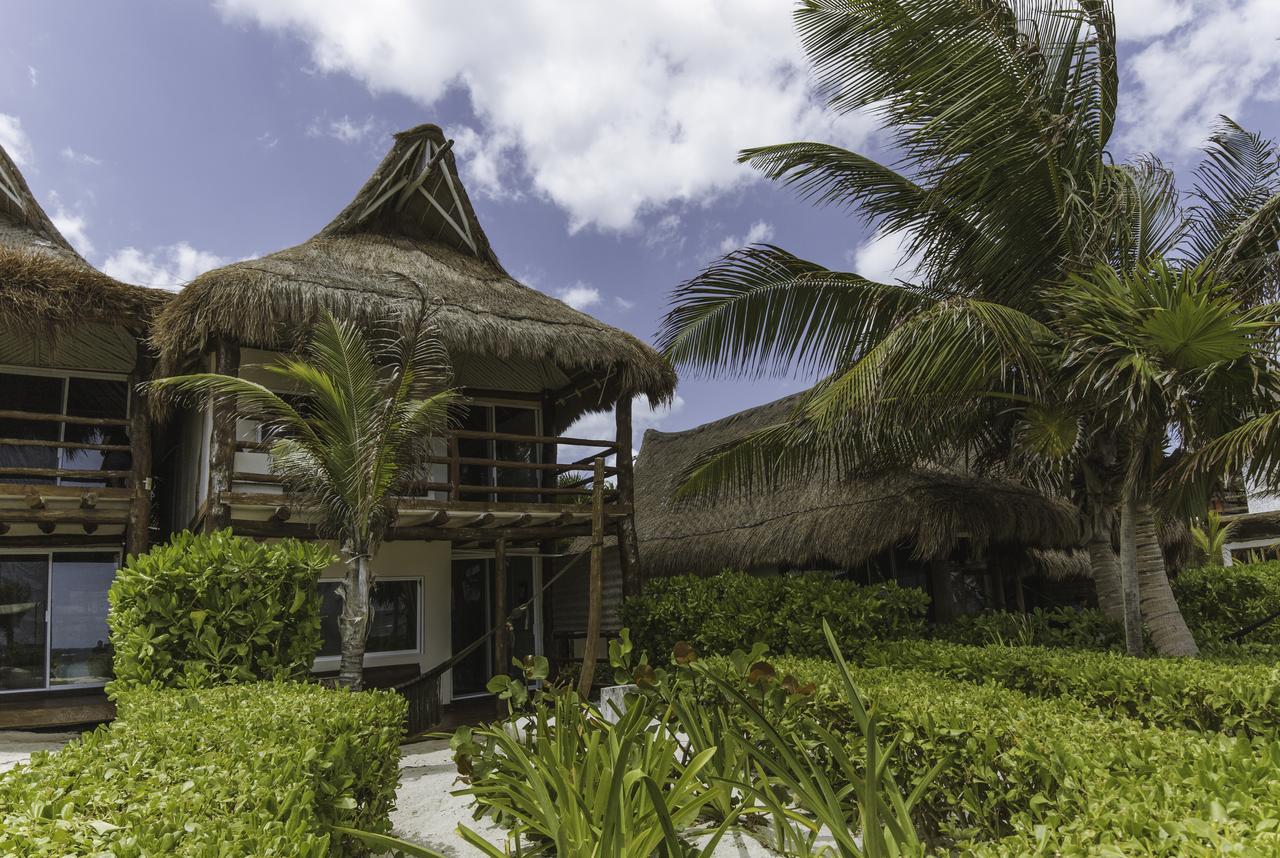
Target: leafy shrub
x,y
1190,693
1217,601
1023,769
204,610
262,769
1059,627
732,610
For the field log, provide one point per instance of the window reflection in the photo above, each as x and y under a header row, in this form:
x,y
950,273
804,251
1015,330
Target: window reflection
x,y
79,647
395,617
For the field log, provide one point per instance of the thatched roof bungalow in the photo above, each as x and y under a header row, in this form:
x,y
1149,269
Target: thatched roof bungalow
x,y
412,232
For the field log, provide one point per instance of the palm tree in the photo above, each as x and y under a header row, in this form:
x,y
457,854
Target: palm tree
x,y
359,426
1002,113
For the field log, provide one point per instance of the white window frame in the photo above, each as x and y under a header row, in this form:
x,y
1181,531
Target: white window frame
x,y
325,663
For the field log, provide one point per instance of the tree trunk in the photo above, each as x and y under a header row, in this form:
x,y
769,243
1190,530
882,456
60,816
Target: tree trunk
x,y
353,624
1129,575
1106,576
1169,632
944,600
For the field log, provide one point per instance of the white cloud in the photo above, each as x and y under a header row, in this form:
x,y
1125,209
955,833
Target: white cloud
x,y
623,304
1222,55
267,140
15,140
169,267
884,258
1138,20
484,160
72,223
615,110
757,233
69,154
602,427
580,296
344,130
33,75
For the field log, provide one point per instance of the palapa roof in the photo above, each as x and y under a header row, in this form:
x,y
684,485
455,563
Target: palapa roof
x,y
411,232
839,525
44,284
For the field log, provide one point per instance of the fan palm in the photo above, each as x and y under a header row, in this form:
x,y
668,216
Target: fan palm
x,y
356,431
1002,113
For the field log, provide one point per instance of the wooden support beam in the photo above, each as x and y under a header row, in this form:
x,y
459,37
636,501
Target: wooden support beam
x,y
628,542
138,532
281,514
61,540
90,527
35,501
483,521
222,451
64,516
438,518
89,500
595,586
4,528
47,527
502,636
522,521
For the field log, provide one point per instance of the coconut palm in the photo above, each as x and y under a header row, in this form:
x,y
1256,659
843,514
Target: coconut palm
x,y
1005,190
354,432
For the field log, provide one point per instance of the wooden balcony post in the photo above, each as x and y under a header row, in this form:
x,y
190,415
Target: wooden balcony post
x,y
595,583
137,531
455,467
628,543
502,637
222,441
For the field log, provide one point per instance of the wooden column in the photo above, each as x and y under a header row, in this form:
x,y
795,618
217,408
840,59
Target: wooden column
x,y
222,442
944,603
138,529
595,584
628,544
1019,593
502,634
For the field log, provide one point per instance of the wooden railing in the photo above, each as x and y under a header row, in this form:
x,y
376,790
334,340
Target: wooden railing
x,y
43,472
546,489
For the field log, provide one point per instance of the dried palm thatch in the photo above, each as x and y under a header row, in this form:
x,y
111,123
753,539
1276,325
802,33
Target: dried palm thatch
x,y
44,284
409,234
835,524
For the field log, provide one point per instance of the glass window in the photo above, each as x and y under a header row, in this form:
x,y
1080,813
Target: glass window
x,y
23,596
96,397
38,394
516,421
477,419
395,617
79,647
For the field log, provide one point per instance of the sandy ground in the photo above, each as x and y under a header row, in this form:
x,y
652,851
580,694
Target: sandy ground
x,y
17,747
426,810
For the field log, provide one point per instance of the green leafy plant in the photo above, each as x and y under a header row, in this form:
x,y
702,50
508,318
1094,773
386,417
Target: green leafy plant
x,y
733,610
260,769
1056,627
1211,538
204,610
1220,601
567,782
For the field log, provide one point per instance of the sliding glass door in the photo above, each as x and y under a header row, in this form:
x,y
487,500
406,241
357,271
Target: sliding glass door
x,y
53,619
500,420
472,617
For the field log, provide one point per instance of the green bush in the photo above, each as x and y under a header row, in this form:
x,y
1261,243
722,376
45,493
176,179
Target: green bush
x,y
1020,769
215,608
1059,627
1199,695
262,769
732,610
1219,601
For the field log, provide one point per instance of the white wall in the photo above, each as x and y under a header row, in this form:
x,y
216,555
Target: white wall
x,y
432,562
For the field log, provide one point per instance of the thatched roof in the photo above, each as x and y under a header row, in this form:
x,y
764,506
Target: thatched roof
x,y
839,525
44,284
411,232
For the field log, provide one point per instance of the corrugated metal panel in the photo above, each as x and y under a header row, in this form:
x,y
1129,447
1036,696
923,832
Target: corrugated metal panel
x,y
569,596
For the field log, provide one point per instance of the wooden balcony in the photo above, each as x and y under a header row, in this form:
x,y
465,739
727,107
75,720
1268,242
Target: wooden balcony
x,y
517,501
59,506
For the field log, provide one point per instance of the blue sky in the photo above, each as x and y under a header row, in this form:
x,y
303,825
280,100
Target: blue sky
x,y
597,140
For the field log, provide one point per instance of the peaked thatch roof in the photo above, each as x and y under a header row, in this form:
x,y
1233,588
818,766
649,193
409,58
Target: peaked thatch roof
x,y
411,231
44,284
839,525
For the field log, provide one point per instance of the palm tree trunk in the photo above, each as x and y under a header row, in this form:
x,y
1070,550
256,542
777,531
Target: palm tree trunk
x,y
1169,632
1106,576
1129,574
353,624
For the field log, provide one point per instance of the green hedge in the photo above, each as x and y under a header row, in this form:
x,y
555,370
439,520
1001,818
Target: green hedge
x,y
730,610
1022,768
1222,600
1059,627
203,610
262,769
1189,693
